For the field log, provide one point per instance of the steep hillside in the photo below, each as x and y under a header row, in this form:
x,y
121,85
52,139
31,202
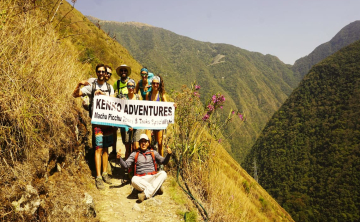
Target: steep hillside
x,y
94,46
344,37
45,132
308,154
253,83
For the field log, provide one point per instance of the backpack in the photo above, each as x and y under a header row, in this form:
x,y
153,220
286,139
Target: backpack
x,y
91,99
119,89
136,157
150,77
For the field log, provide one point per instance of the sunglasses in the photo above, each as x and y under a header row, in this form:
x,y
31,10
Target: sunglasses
x,y
109,73
144,74
130,87
101,72
123,70
155,83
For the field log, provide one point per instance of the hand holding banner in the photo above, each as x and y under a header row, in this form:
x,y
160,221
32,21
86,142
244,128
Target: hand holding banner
x,y
138,114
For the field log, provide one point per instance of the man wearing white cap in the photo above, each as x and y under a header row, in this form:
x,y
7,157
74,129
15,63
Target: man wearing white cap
x,y
146,179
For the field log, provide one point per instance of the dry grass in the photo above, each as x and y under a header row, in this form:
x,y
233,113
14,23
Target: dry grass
x,y
214,178
37,115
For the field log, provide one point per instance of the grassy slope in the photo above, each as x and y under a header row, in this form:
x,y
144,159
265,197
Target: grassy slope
x,y
253,83
93,45
308,153
344,37
39,134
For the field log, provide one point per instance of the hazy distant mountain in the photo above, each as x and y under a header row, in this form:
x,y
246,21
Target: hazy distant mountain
x,y
344,37
254,83
308,155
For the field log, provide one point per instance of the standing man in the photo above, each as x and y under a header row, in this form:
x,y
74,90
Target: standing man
x,y
146,179
120,86
103,135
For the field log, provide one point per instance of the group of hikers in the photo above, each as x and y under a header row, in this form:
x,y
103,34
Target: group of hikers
x,y
144,160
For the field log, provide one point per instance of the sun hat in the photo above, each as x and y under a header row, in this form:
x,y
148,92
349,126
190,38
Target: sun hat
x,y
144,136
123,66
144,69
156,78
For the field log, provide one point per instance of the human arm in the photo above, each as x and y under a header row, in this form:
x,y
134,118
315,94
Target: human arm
x,y
163,160
163,98
77,92
137,88
127,163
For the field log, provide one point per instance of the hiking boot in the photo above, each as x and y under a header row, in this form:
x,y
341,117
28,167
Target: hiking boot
x,y
106,178
99,183
141,197
160,190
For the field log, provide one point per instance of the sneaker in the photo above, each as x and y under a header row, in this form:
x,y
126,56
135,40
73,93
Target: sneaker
x,y
106,178
141,197
160,190
99,183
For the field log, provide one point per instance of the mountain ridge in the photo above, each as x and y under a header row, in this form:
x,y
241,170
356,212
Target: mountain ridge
x,y
253,83
347,35
308,154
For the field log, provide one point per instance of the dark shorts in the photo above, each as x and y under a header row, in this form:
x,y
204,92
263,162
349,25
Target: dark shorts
x,y
129,136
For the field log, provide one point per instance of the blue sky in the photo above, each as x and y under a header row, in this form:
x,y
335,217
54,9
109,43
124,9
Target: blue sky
x,y
288,29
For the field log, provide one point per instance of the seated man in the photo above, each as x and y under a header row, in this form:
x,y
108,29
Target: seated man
x,y
145,178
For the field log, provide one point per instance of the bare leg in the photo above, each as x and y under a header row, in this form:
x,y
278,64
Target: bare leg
x,y
135,146
98,153
115,140
158,138
105,157
128,150
148,133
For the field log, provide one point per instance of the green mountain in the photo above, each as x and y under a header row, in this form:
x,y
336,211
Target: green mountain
x,y
344,37
45,160
253,83
308,155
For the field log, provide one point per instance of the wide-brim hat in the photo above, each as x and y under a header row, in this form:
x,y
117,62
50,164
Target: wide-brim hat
x,y
122,67
144,136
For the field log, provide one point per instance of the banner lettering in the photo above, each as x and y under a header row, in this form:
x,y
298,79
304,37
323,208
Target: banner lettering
x,y
138,114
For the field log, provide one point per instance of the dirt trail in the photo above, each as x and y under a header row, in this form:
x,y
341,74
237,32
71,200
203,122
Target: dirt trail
x,y
118,202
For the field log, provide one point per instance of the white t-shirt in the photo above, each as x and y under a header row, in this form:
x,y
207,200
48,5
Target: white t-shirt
x,y
86,90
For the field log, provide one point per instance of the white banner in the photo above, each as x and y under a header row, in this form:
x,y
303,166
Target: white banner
x,y
138,114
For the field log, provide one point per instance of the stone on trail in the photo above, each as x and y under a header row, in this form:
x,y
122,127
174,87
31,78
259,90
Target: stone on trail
x,y
90,206
29,202
153,202
136,207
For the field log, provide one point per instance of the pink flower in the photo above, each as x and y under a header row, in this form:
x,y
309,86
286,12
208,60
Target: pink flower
x,y
233,112
214,98
219,140
241,117
220,107
197,87
197,94
206,117
210,107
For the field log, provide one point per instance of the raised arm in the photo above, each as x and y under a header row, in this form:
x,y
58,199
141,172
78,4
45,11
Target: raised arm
x,y
127,163
162,160
77,92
